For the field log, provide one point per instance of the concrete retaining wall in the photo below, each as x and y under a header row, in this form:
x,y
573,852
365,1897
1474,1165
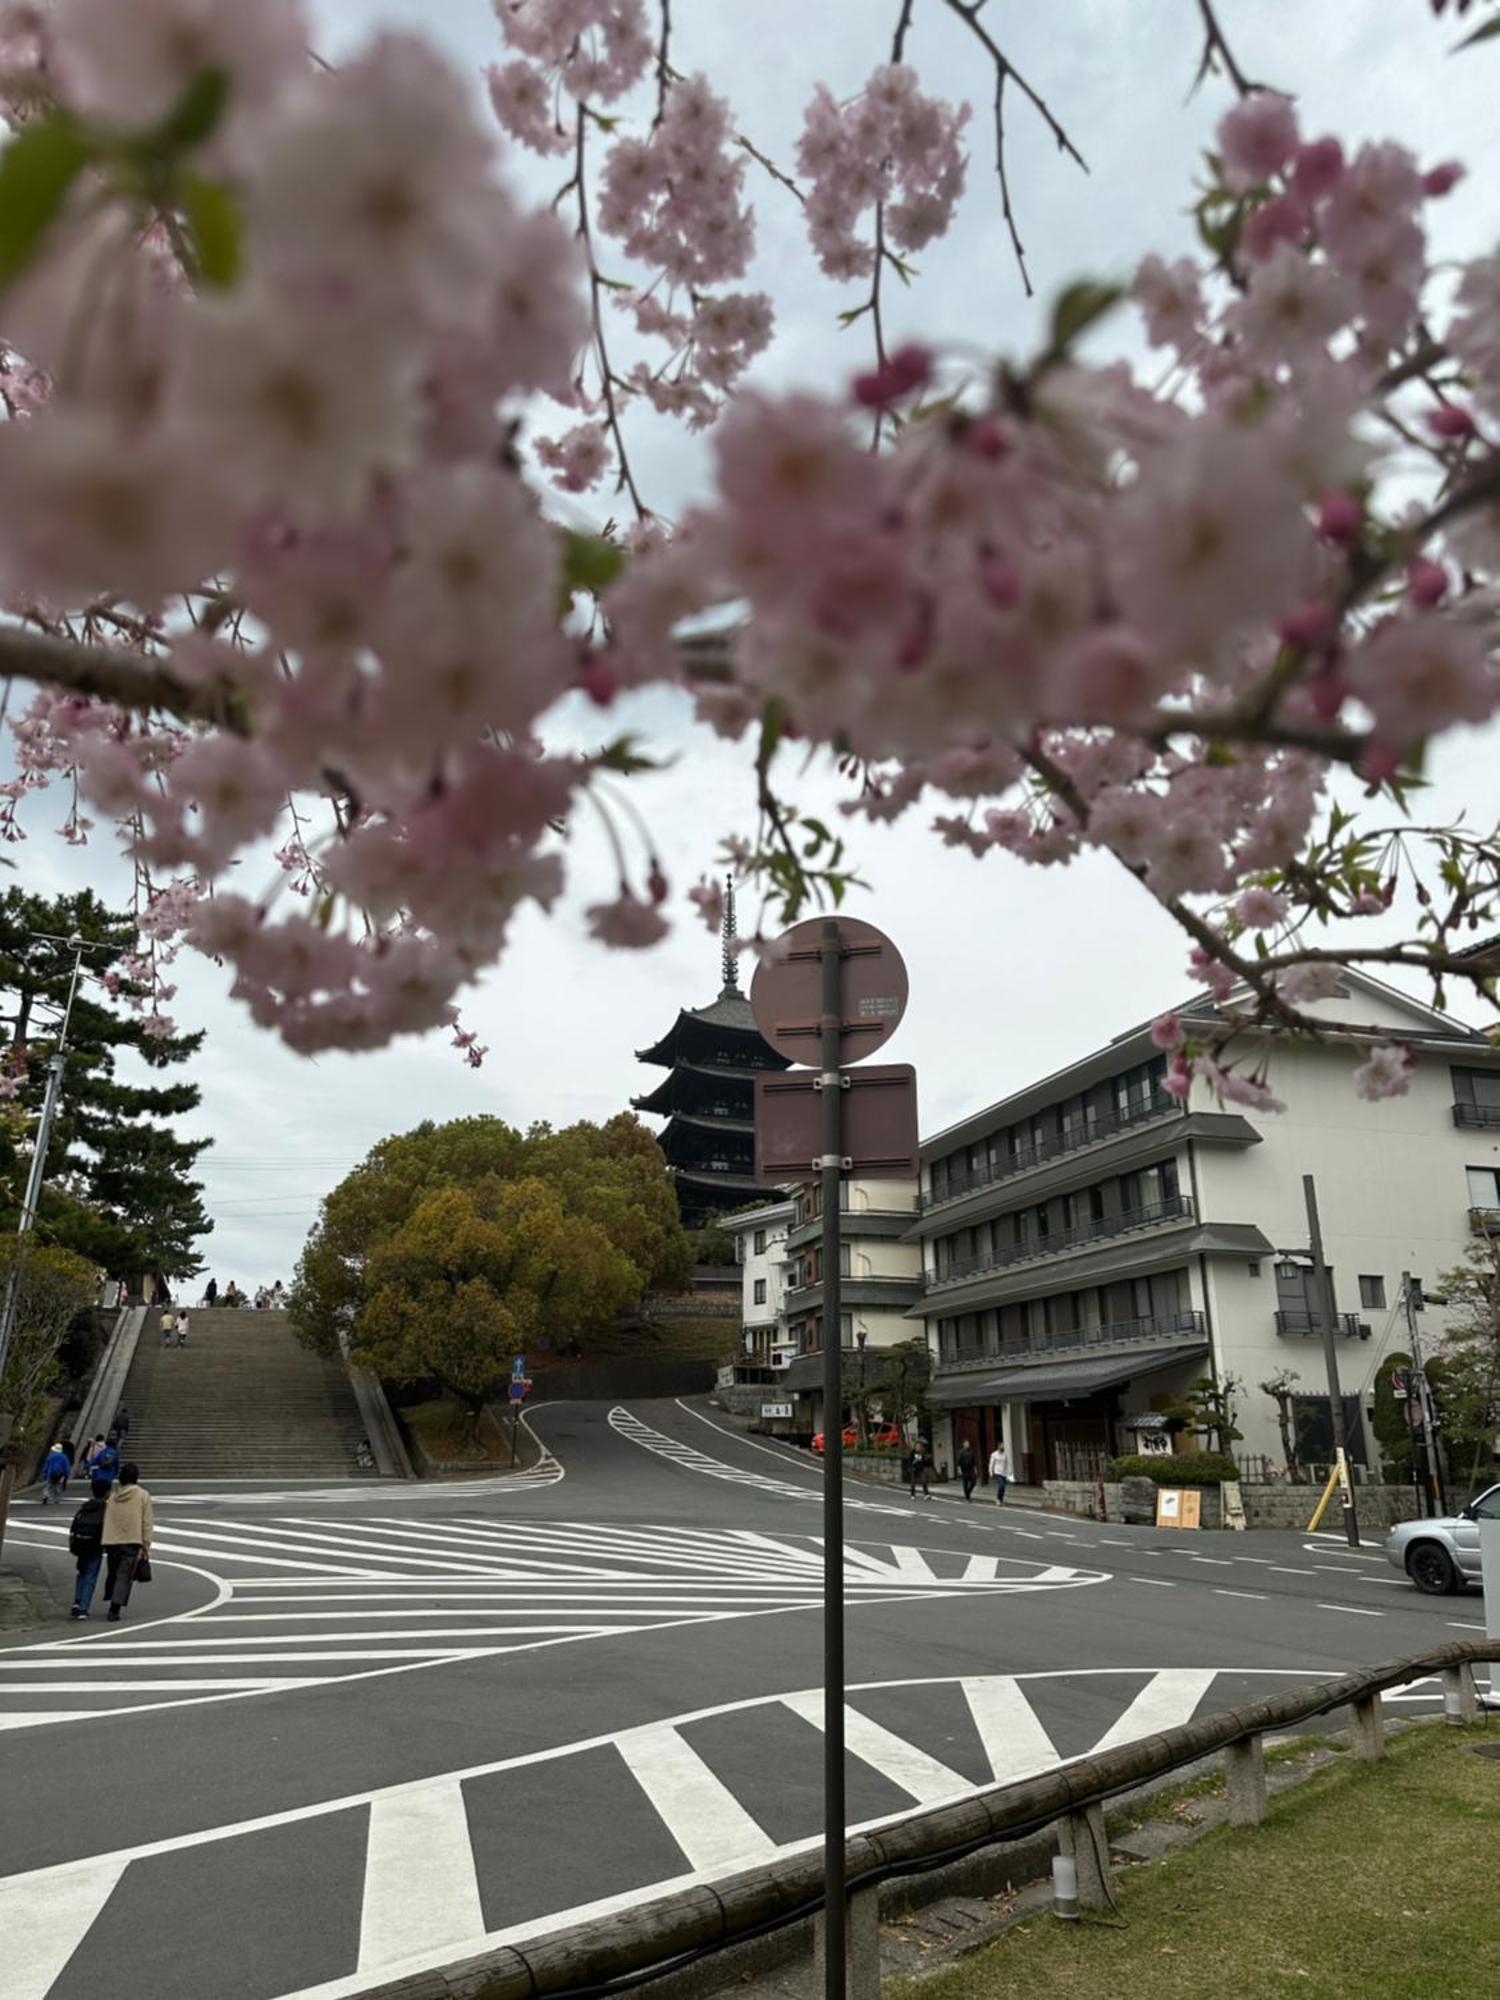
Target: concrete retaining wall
x,y
611,1381
1379,1507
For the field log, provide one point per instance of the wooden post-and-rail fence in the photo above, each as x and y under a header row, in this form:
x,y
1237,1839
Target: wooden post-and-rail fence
x,y
668,1935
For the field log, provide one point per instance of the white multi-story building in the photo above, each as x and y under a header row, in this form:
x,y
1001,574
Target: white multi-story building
x,y
1091,1246
760,1250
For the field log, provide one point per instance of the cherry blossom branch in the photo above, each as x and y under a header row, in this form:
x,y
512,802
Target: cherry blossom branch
x,y
1215,45
663,65
124,679
626,478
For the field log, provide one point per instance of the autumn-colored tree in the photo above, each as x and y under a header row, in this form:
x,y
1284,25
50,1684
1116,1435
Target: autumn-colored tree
x,y
478,1274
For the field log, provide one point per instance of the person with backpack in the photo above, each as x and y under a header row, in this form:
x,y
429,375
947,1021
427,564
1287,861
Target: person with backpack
x,y
86,1546
92,1450
55,1470
127,1539
106,1460
968,1469
918,1467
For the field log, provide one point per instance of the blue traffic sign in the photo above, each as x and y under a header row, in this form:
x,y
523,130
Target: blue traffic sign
x,y
518,1369
518,1391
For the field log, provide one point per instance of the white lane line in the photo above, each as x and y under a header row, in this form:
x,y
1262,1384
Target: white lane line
x,y
1256,1596
1219,1562
1280,1569
1013,1738
1160,1582
1264,1561
1354,1610
1168,1698
1056,1535
1026,1534
699,1811
1456,1625
421,1888
43,1922
923,1777
1109,1543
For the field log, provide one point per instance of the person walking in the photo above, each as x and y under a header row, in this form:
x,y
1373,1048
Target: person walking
x,y
1000,1473
210,1291
968,1469
182,1328
918,1468
55,1470
126,1538
70,1453
86,1546
122,1423
168,1326
92,1450
107,1459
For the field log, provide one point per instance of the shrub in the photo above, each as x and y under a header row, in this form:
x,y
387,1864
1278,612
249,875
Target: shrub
x,y
1183,1468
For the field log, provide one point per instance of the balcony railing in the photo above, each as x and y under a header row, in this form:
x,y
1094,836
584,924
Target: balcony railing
x,y
1486,1117
1176,1208
1074,1339
1105,1126
1485,1221
1301,1324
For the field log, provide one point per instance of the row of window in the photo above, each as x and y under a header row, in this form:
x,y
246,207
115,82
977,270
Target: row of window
x,y
1062,1218
1119,1099
1028,1323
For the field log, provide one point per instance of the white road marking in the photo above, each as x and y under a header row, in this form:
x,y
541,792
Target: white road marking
x,y
923,1777
1160,1582
1282,1570
700,1812
1456,1625
421,1890
1256,1596
1013,1737
44,1922
1168,1698
1219,1562
1354,1610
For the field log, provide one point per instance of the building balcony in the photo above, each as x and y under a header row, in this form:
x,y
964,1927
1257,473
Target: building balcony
x,y
1176,1210
1119,1333
1088,1133
890,1222
855,1291
1301,1324
1485,1221
1483,1117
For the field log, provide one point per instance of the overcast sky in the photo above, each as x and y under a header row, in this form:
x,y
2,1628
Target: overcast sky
x,y
1013,971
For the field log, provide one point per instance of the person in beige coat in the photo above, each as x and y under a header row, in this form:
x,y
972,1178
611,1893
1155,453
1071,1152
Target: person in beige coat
x,y
127,1536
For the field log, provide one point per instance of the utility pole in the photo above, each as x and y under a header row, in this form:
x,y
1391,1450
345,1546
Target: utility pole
x,y
55,1068
1323,1313
831,1080
1432,1478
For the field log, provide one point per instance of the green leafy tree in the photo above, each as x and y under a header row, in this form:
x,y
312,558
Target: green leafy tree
x,y
1465,1374
1209,1409
119,1189
53,1286
1281,1388
1390,1422
453,1247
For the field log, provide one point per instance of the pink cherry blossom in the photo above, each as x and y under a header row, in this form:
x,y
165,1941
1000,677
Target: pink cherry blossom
x,y
1261,909
707,898
1257,138
130,65
1385,1072
1167,1031
627,924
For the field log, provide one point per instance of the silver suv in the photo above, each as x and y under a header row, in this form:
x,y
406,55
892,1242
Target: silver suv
x,y
1442,1556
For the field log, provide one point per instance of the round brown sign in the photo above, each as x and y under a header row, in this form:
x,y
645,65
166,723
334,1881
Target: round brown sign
x,y
787,990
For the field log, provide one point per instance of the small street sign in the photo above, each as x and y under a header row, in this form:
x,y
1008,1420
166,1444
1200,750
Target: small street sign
x,y
1400,1384
879,1135
787,991
518,1369
518,1390
776,1410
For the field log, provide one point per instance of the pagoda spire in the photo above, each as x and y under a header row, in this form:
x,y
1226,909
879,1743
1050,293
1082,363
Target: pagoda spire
x,y
731,983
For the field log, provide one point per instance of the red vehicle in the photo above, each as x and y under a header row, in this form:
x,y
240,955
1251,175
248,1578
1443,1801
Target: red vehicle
x,y
851,1438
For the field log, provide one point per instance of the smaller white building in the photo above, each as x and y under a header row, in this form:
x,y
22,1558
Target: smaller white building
x,y
760,1250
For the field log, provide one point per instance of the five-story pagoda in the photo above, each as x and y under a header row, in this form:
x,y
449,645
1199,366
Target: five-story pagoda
x,y
711,1056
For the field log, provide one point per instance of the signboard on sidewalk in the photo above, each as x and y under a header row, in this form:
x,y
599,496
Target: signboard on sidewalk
x,y
1178,1507
769,1410
1233,1501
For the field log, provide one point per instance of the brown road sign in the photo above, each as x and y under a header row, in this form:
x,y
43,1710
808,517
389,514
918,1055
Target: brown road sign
x,y
879,1127
786,992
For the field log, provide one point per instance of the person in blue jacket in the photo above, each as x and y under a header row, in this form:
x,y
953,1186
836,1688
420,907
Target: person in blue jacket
x,y
106,1463
55,1470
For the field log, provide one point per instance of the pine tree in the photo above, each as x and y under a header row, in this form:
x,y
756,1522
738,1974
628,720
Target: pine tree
x,y
119,1187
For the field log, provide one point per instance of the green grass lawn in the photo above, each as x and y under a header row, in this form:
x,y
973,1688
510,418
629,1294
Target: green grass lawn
x,y
1367,1882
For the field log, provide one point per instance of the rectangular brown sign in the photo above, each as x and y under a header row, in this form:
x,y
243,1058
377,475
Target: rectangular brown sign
x,y
879,1123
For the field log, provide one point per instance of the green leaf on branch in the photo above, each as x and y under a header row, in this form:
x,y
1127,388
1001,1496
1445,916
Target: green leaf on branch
x,y
196,114
1486,33
37,172
1077,310
589,562
213,218
623,758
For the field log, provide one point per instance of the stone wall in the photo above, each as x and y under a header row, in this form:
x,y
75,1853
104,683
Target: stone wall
x,y
1379,1507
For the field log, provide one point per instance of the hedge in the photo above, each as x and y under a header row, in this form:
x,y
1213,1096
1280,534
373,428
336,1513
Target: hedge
x,y
1184,1468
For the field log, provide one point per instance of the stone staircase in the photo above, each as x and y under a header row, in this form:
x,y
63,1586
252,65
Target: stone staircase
x,y
243,1400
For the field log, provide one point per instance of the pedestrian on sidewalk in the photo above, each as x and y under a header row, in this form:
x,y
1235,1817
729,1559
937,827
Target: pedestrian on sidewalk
x,y
55,1470
86,1545
968,1469
107,1459
1000,1473
92,1450
182,1328
168,1326
918,1467
127,1537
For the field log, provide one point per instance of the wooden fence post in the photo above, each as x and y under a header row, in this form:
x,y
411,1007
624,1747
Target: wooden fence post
x,y
1369,1728
1245,1773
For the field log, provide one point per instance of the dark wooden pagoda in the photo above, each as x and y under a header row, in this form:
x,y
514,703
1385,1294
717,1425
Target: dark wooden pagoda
x,y
711,1056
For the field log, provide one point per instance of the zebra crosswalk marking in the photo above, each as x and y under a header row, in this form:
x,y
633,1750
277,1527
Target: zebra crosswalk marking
x,y
43,1922
697,1808
421,1888
1010,1730
1168,1698
921,1776
622,1422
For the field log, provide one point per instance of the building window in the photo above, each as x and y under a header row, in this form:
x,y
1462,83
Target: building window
x,y
759,1245
1484,1187
1252,1269
1371,1290
760,1291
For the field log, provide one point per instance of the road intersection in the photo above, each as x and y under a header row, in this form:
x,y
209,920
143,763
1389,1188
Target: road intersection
x,y
372,1728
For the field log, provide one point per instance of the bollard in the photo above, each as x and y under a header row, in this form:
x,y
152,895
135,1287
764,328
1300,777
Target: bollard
x,y
1460,1694
1369,1728
1245,1774
1082,1838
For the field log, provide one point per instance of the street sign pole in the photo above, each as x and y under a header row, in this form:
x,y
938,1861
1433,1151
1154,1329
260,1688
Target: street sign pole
x,y
835,1912
1323,1308
1432,1489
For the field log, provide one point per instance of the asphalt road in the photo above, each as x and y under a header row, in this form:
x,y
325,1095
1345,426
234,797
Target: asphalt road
x,y
361,1728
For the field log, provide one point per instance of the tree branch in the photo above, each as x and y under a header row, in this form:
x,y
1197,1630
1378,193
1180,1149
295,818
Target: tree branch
x,y
663,63
626,478
1214,45
124,679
